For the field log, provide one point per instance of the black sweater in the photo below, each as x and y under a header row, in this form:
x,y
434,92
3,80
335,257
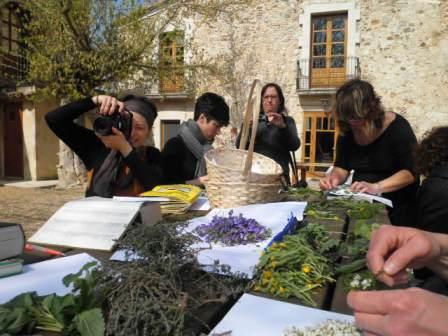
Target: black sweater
x,y
432,200
387,155
274,142
92,151
179,163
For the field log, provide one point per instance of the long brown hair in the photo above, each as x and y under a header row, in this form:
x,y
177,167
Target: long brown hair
x,y
356,99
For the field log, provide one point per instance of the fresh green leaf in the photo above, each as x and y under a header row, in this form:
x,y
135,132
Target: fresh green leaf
x,y
90,323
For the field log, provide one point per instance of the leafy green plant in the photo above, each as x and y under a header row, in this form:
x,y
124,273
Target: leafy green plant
x,y
73,314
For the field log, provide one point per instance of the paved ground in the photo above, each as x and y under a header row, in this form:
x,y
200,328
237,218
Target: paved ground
x,y
32,207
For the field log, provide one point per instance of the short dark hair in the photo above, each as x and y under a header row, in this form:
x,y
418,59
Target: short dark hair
x,y
150,111
281,97
432,151
357,99
213,107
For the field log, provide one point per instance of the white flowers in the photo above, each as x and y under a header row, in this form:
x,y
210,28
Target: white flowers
x,y
361,284
328,328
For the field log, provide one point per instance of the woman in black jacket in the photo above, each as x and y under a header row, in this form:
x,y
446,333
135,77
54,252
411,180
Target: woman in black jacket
x,y
118,162
276,132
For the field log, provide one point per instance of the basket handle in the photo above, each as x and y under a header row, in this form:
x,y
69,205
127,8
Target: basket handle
x,y
252,108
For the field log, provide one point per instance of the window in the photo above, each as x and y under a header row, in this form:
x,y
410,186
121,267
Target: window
x,y
319,140
13,63
328,50
171,61
169,129
10,29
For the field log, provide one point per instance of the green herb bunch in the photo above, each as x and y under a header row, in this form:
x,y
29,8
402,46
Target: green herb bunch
x,y
78,313
296,267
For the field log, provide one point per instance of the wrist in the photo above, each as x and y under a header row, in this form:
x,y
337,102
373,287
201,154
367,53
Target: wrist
x,y
378,189
126,150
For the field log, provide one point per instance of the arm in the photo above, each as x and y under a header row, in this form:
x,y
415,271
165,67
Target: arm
x,y
81,140
335,178
289,135
395,182
148,172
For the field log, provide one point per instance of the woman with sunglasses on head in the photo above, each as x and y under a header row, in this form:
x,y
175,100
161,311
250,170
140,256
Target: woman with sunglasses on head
x,y
276,132
378,146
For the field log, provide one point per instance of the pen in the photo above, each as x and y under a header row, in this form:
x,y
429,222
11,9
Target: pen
x,y
31,247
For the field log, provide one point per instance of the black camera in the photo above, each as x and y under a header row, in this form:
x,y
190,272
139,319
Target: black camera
x,y
122,122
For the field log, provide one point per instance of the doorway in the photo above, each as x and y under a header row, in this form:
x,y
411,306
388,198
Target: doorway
x,y
13,140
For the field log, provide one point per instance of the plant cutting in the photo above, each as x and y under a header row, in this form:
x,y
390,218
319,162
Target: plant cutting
x,y
296,267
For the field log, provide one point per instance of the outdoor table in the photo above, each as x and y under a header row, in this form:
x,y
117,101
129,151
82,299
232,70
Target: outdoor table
x,y
332,297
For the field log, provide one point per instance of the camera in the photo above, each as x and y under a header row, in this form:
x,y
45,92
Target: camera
x,y
122,122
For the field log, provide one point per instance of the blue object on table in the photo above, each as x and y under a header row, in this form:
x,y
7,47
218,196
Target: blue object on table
x,y
288,229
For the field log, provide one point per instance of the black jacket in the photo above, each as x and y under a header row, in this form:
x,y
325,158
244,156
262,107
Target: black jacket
x,y
274,142
432,201
92,151
179,164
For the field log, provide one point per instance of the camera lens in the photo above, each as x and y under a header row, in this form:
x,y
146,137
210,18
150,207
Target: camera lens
x,y
103,125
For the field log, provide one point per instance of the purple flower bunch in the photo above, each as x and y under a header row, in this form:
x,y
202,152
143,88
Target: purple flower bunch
x,y
232,230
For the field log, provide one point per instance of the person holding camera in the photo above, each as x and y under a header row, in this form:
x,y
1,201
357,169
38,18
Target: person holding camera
x,y
276,133
114,153
183,155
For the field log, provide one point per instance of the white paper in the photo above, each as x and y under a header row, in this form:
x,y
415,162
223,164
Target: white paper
x,y
253,315
44,277
344,191
90,223
244,258
140,199
201,203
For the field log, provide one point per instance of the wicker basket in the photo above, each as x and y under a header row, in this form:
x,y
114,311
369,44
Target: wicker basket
x,y
239,177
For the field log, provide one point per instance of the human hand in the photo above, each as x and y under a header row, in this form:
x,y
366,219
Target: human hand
x,y
116,141
108,105
199,181
393,249
366,187
328,182
276,119
409,312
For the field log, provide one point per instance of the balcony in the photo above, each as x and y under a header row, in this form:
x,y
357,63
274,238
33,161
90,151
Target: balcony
x,y
13,68
326,74
171,80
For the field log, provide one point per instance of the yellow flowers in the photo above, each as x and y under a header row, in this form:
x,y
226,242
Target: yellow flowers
x,y
281,290
306,268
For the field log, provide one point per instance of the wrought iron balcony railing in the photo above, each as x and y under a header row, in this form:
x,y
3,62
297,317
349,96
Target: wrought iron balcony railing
x,y
326,72
13,68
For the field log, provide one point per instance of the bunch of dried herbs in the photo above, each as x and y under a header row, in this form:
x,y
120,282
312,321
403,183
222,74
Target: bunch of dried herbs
x,y
163,291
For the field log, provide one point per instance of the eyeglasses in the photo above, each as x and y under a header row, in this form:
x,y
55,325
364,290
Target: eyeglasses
x,y
270,97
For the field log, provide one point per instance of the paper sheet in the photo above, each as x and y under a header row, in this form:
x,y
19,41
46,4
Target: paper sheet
x,y
90,223
44,277
253,315
244,258
202,204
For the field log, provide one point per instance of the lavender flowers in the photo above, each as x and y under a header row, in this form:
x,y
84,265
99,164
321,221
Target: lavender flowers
x,y
232,230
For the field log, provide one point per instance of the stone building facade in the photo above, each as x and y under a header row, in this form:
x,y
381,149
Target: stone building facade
x,y
310,47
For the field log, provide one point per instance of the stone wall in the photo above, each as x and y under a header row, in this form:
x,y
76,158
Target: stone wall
x,y
403,51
